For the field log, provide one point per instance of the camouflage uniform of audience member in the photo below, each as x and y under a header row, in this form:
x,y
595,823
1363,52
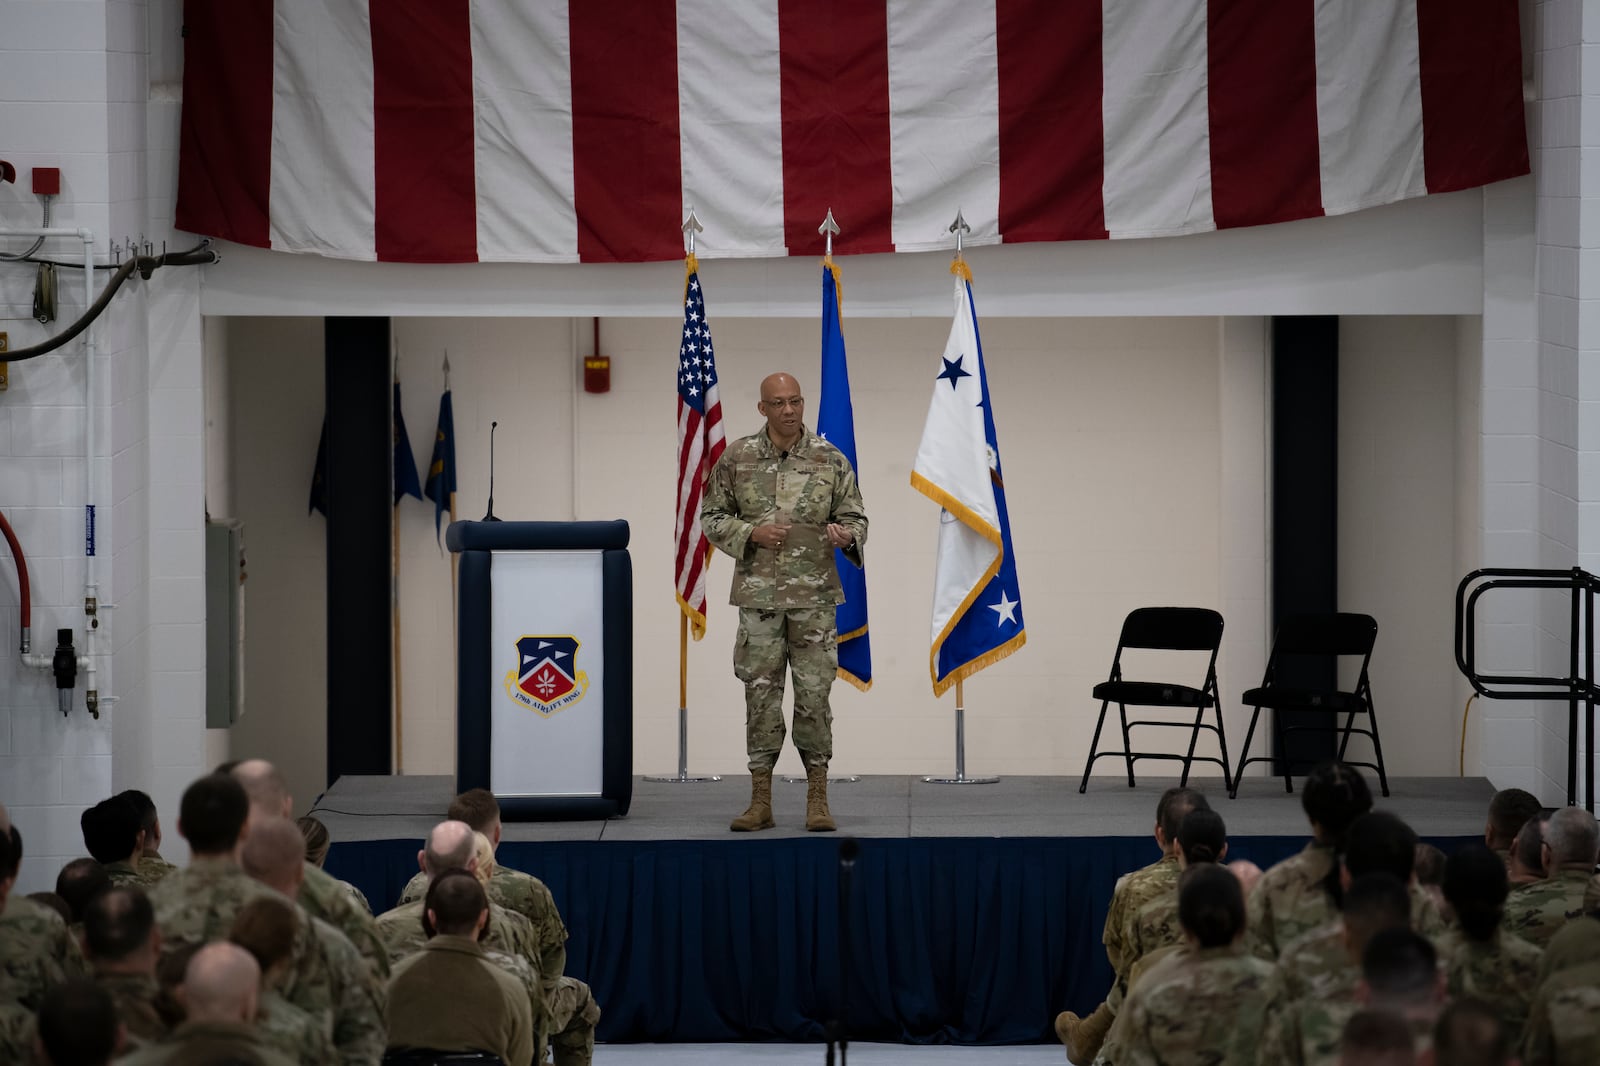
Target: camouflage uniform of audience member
x,y
154,867
1591,895
402,934
1207,1000
192,1042
1311,997
527,896
125,874
1289,901
1154,926
36,952
294,1032
1564,1020
1537,911
198,904
16,1033
139,1002
356,897
323,897
1133,891
1502,972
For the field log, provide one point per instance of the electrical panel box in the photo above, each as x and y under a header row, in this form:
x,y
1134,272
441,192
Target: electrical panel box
x,y
225,575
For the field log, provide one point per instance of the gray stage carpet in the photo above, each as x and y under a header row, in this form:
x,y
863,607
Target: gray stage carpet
x,y
388,808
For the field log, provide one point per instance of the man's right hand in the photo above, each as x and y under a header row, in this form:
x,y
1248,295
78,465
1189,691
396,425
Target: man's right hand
x,y
770,536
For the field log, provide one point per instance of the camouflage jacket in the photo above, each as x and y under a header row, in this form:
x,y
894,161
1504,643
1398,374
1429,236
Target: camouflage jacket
x,y
154,867
1537,912
195,1042
1207,1002
1564,1020
338,986
753,484
1591,895
526,895
36,952
1289,901
16,1034
1154,926
1502,972
140,1005
1305,1031
1317,965
133,875
509,932
295,1033
325,897
199,903
1133,891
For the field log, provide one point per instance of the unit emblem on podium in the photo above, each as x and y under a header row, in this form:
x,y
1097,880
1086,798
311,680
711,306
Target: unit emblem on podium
x,y
547,678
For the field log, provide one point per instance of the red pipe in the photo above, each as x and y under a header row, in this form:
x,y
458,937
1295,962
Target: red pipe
x,y
22,575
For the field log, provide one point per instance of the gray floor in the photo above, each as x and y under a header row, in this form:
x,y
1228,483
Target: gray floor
x,y
382,808
861,1054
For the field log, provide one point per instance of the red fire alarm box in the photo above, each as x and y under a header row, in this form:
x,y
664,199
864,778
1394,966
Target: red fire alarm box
x,y
597,373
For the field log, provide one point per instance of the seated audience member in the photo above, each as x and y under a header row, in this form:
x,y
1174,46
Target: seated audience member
x,y
317,844
1537,911
78,882
1482,961
1526,865
122,945
151,865
1429,872
483,852
1469,1032
1376,1038
114,835
1083,1036
1400,972
1292,898
1564,1019
448,996
1205,1004
18,1033
219,996
266,928
54,903
78,1026
1509,810
36,950
1155,929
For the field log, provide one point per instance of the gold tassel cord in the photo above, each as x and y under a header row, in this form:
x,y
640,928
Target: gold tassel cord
x,y
959,268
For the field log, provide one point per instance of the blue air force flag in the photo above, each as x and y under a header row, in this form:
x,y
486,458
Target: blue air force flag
x,y
836,424
977,609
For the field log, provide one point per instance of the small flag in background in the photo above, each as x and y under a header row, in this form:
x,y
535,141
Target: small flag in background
x,y
977,609
836,424
701,441
319,474
441,485
406,482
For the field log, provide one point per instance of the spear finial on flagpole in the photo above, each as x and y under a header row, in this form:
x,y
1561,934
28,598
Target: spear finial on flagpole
x,y
960,228
691,226
828,228
447,370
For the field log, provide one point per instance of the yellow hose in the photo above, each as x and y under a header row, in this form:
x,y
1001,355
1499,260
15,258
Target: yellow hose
x,y
1462,771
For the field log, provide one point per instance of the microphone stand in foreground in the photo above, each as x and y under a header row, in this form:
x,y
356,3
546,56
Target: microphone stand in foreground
x,y
838,1035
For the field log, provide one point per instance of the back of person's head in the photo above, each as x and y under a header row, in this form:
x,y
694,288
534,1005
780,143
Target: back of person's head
x,y
1469,1033
1375,842
1400,967
51,901
1375,902
1211,905
1509,809
454,903
13,855
1376,1037
1334,795
118,923
1428,865
1202,836
449,845
1174,804
317,839
212,814
1573,837
221,984
78,1024
1528,848
265,927
80,881
144,805
483,858
477,807
274,852
174,964
111,829
266,787
8,866
1476,885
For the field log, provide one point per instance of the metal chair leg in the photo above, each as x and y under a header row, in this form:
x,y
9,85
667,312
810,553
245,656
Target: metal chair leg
x,y
1283,753
1194,737
1344,741
1083,786
1244,755
1127,741
1222,739
1377,747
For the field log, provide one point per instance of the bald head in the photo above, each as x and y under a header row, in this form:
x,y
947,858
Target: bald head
x,y
268,791
450,844
784,408
274,854
220,984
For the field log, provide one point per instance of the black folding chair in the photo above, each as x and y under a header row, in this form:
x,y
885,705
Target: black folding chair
x,y
1167,629
1313,639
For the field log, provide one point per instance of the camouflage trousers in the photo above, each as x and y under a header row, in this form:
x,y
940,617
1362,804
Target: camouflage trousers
x,y
805,641
573,1016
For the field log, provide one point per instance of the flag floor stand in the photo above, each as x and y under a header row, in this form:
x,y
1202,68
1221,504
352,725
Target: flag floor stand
x,y
683,776
961,777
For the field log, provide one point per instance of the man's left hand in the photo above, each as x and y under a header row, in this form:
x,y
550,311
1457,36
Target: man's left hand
x,y
839,536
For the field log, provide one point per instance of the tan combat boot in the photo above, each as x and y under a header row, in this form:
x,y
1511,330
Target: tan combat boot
x,y
1084,1036
818,820
759,816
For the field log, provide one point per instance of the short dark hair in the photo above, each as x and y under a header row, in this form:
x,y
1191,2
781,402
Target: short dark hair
x,y
1174,804
212,813
1334,795
14,855
143,804
1379,842
1469,1033
477,807
1509,809
1399,965
1202,836
1428,864
456,899
78,1024
80,881
1476,885
7,869
111,829
1374,1032
266,927
1211,904
1375,902
1528,848
117,923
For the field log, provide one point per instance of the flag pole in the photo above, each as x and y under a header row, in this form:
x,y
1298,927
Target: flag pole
x,y
960,228
691,226
394,608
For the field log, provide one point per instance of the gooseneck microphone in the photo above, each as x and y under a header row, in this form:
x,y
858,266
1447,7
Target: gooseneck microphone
x,y
489,514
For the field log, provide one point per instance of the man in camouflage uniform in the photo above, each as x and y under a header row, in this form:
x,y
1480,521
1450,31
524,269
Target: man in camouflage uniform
x,y
1564,1021
120,939
266,928
781,501
1083,1036
36,950
220,991
1482,961
1509,810
1400,973
112,833
1537,911
150,863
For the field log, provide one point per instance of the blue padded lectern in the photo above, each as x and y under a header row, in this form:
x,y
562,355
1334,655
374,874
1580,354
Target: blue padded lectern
x,y
544,667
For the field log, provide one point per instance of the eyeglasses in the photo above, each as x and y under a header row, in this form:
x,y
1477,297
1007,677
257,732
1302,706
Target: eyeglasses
x,y
797,402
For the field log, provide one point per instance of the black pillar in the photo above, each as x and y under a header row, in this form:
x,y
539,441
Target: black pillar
x,y
360,507
1305,506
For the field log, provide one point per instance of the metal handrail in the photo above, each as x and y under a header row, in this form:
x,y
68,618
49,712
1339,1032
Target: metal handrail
x,y
1577,686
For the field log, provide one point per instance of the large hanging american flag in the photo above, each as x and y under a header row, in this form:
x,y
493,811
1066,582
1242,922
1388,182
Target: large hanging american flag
x,y
556,131
701,441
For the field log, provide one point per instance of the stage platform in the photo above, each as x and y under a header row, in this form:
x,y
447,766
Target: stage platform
x,y
975,910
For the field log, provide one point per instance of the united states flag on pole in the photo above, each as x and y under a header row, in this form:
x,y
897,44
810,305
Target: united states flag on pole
x,y
700,444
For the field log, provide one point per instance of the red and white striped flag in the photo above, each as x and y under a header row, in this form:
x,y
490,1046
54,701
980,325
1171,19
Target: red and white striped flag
x,y
700,444
555,131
